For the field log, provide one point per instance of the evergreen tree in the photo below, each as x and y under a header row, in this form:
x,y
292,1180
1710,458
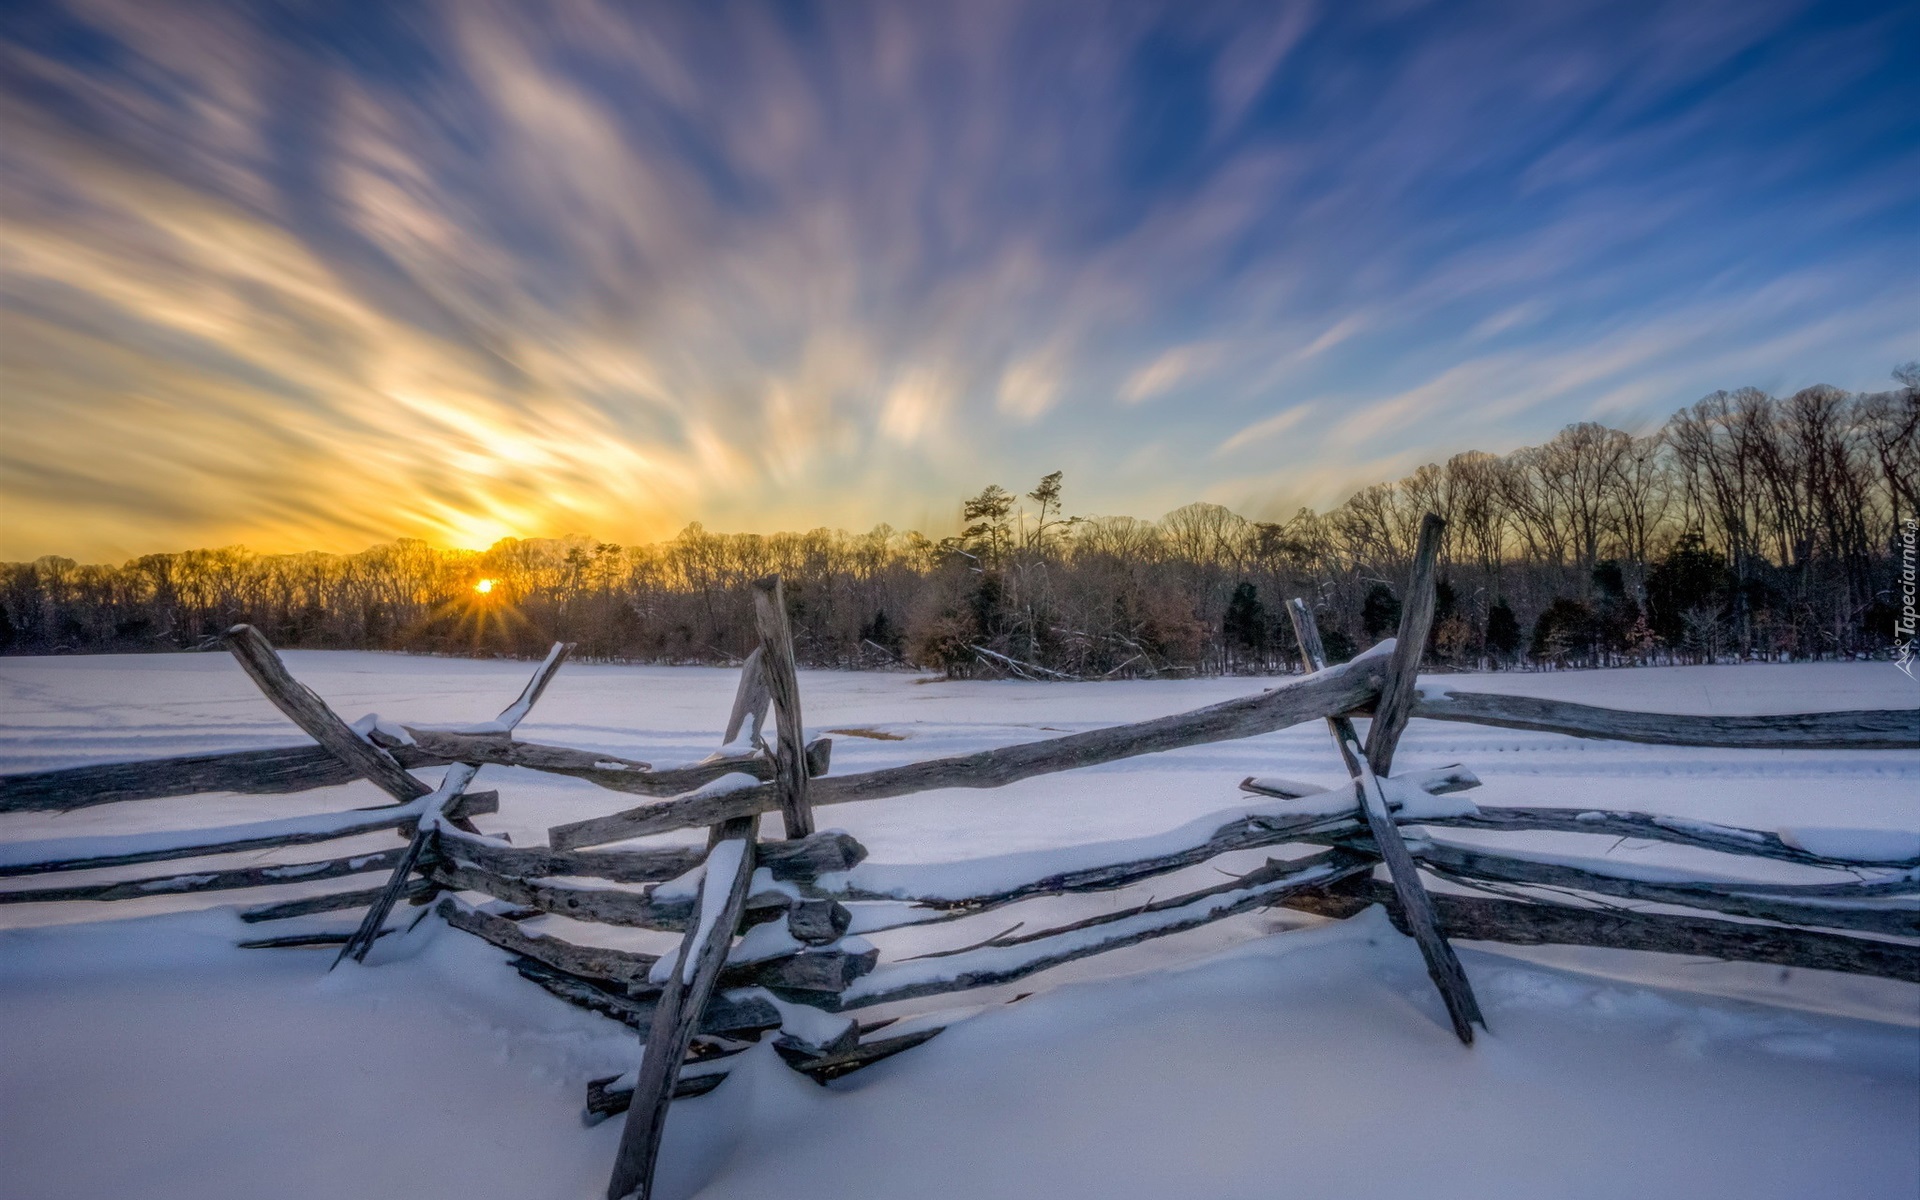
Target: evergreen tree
x,y
1380,611
1338,645
1245,626
1503,632
1565,633
1692,579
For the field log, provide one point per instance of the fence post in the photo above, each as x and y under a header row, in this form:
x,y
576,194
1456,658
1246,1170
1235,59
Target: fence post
x,y
1409,647
750,699
776,658
683,998
1443,966
767,673
452,786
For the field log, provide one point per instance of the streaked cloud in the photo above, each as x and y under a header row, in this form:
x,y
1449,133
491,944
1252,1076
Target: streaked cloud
x,y
1031,386
314,276
916,407
1265,430
1172,368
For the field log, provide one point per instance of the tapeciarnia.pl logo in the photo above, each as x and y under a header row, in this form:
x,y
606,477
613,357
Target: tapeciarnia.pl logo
x,y
1903,629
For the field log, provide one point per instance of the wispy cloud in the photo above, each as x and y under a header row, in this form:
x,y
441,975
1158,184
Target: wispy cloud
x,y
1262,431
1173,367
316,277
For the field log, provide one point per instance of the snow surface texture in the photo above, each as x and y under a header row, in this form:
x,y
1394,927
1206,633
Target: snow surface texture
x,y
143,1055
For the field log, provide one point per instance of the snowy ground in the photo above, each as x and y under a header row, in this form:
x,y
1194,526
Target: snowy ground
x,y
141,1054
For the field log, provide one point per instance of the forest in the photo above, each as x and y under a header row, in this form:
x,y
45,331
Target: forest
x,y
1748,526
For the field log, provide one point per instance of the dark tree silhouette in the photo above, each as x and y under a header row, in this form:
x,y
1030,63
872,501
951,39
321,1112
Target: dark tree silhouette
x,y
1749,526
1380,611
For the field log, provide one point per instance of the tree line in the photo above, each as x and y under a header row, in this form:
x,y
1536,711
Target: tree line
x,y
1748,526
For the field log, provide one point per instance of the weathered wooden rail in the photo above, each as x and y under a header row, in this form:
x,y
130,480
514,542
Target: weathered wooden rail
x,y
772,932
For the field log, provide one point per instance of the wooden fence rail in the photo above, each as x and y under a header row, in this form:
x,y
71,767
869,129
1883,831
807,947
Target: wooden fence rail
x,y
1477,918
289,769
1311,698
1868,729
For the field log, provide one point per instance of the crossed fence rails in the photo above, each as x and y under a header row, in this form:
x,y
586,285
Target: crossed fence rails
x,y
773,930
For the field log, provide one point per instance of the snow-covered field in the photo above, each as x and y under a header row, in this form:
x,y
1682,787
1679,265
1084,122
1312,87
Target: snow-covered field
x,y
141,1054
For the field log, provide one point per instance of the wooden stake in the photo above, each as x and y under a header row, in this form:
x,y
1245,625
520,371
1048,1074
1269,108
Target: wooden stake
x,y
458,777
308,711
1443,965
683,998
750,700
1409,647
776,657
516,712
455,782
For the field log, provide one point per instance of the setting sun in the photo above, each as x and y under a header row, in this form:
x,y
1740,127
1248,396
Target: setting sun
x,y
484,586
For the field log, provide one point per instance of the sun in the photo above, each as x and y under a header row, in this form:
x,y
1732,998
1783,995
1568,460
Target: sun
x,y
480,612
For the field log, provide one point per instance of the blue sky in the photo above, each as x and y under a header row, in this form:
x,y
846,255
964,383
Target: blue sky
x,y
316,275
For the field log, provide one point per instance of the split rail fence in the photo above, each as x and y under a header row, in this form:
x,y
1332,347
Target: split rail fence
x,y
772,930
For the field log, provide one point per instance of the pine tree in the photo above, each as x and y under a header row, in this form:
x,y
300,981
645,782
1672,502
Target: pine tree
x,y
1380,611
1245,625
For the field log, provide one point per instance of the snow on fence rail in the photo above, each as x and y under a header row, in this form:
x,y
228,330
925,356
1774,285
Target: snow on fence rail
x,y
773,931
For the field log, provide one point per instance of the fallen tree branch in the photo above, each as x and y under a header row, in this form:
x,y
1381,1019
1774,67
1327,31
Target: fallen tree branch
x,y
1019,668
